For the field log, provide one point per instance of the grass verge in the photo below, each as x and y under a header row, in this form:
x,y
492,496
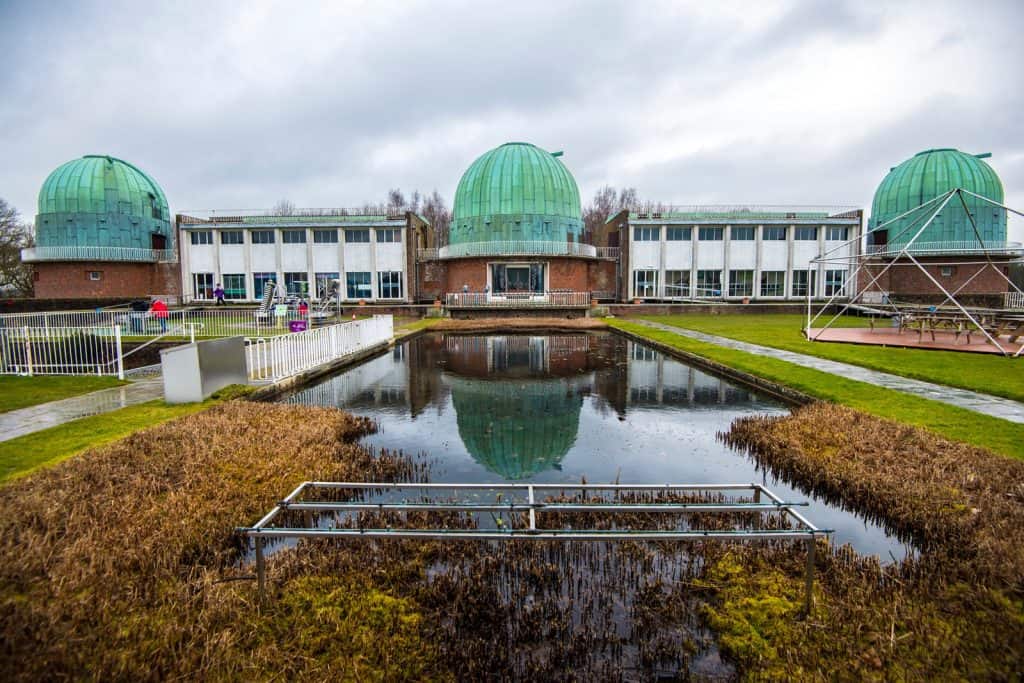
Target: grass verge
x,y
24,454
985,373
22,392
959,424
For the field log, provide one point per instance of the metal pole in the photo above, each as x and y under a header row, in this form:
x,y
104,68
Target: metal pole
x,y
809,587
261,573
120,356
28,351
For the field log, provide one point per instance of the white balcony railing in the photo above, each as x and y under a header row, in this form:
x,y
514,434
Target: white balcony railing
x,y
35,254
517,299
517,248
961,247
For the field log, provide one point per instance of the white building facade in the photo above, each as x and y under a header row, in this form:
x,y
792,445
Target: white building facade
x,y
368,256
739,253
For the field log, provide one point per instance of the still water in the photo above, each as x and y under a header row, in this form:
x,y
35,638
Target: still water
x,y
560,408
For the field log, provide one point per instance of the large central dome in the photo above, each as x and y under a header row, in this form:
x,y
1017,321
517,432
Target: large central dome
x,y
516,192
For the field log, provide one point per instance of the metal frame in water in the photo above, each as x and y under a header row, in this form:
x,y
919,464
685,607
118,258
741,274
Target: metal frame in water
x,y
805,531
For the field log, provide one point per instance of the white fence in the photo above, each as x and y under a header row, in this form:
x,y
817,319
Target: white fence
x,y
274,358
61,351
1013,300
517,300
517,248
186,322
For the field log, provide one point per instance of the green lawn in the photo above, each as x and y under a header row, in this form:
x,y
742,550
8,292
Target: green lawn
x,y
989,374
22,392
1000,436
26,453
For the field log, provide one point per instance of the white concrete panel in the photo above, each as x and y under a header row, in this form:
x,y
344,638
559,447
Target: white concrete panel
x,y
774,255
358,258
710,255
232,258
264,258
646,255
678,255
803,252
325,258
201,258
742,255
293,258
389,256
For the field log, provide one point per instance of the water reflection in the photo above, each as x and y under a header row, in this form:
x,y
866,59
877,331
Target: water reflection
x,y
561,408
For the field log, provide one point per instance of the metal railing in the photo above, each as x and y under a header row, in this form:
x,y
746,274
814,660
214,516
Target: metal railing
x,y
725,212
522,506
311,216
961,247
274,358
1013,300
35,254
517,299
427,254
517,248
61,351
608,252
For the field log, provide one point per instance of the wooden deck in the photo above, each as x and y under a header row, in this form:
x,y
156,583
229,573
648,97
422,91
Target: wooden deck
x,y
945,340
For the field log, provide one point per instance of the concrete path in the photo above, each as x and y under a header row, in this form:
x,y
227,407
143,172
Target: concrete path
x,y
1004,408
27,420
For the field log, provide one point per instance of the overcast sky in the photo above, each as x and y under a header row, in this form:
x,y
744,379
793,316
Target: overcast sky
x,y
239,104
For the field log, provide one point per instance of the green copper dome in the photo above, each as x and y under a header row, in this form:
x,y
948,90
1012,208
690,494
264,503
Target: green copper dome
x,y
516,192
517,429
100,201
928,175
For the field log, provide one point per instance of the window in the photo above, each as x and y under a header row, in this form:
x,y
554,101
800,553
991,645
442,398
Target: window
x,y
234,285
804,282
645,283
293,236
805,233
646,234
389,235
773,233
518,277
677,283
353,236
231,237
389,284
773,283
260,282
742,233
202,285
948,271
358,284
94,275
326,283
710,234
262,236
834,234
834,282
201,237
709,283
741,283
679,234
297,284
325,237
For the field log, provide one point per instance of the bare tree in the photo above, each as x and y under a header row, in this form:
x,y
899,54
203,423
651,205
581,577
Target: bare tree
x,y
436,212
284,207
14,236
607,202
396,200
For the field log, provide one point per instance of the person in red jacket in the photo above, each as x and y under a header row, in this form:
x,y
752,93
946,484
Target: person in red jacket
x,y
159,311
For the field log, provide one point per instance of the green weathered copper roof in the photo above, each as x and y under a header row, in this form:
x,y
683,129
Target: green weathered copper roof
x,y
516,429
930,174
517,191
101,201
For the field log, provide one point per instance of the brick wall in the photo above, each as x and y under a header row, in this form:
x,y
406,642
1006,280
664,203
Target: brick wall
x,y
906,281
128,280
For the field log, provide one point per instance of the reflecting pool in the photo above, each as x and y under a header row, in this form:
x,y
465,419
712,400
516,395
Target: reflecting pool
x,y
561,408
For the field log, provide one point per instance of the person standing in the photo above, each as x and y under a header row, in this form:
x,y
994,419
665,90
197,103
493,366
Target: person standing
x,y
218,293
159,311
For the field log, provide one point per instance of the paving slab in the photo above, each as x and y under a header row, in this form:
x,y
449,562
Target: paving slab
x,y
987,404
17,423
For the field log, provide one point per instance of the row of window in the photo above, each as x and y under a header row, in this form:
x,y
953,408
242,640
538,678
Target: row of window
x,y
354,235
741,283
739,233
357,285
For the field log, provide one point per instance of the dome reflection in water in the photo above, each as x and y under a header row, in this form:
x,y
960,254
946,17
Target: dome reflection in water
x,y
561,408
